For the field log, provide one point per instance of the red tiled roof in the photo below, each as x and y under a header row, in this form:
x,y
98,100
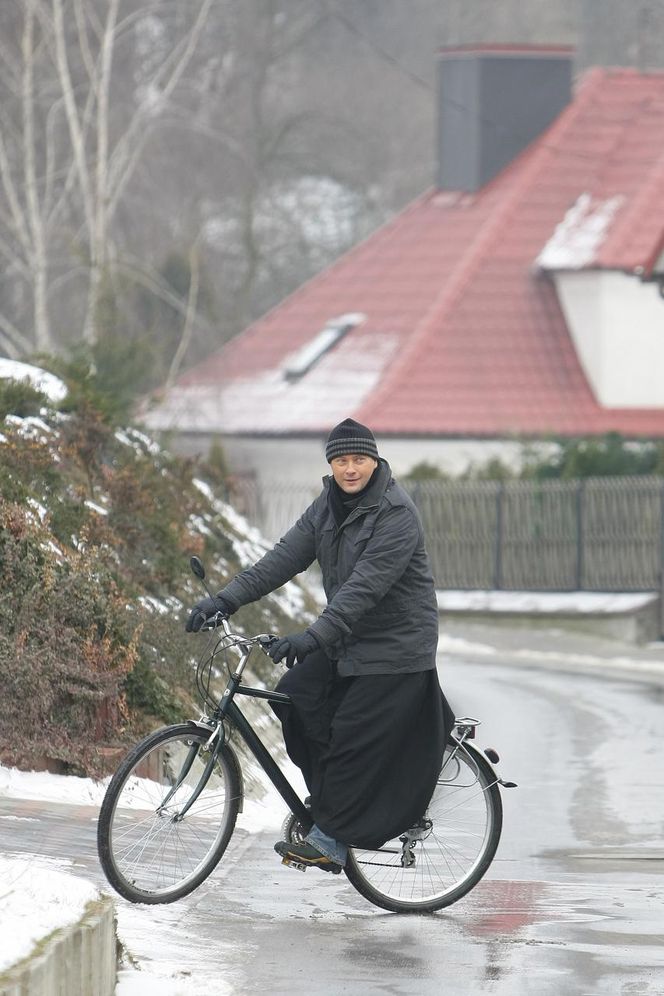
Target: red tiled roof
x,y
473,339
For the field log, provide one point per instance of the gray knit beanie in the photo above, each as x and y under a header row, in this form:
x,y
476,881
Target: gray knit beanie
x,y
350,437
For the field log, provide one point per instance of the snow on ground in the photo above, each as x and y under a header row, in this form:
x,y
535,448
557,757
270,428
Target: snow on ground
x,y
163,606
30,427
233,517
457,646
138,441
148,931
40,895
15,784
59,898
249,546
50,385
269,812
99,509
36,898
266,813
577,602
290,599
566,658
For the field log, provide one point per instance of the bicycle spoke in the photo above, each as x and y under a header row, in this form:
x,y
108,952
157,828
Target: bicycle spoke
x,y
447,853
149,852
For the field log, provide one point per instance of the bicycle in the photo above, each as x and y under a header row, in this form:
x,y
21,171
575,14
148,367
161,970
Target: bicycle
x,y
170,809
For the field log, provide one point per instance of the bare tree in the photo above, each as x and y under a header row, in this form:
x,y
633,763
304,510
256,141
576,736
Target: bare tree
x,y
22,242
292,155
67,151
193,162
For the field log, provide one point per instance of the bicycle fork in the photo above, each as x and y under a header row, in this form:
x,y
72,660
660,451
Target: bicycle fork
x,y
218,736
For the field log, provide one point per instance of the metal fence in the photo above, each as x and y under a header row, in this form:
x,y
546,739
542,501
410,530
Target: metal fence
x,y
598,534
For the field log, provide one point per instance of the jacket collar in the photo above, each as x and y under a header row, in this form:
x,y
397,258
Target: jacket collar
x,y
370,498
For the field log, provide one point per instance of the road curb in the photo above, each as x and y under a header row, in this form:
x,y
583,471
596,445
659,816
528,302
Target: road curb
x,y
78,960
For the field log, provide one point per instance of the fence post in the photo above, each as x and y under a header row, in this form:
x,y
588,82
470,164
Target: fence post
x,y
498,558
580,538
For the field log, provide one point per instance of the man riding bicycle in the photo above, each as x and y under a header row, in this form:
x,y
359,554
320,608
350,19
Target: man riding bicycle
x,y
368,721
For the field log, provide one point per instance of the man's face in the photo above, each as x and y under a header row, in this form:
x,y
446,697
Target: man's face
x,y
352,471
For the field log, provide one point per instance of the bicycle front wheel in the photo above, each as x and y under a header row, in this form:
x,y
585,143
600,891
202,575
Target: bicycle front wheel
x,y
438,861
152,850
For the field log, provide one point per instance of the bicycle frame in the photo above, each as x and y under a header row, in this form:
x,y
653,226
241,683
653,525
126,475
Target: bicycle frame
x,y
228,709
262,755
171,807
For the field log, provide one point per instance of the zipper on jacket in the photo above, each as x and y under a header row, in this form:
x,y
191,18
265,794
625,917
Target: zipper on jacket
x,y
355,514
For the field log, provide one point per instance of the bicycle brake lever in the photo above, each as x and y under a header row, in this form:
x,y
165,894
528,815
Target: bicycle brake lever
x,y
266,640
214,622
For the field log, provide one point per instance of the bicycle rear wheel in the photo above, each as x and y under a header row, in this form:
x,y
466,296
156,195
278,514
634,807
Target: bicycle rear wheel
x,y
150,853
444,857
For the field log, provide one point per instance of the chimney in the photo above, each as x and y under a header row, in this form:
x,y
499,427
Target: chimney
x,y
494,100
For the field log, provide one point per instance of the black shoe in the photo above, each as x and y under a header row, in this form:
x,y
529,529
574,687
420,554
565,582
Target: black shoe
x,y
305,856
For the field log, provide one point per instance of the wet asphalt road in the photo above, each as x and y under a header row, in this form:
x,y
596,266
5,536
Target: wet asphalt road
x,y
573,904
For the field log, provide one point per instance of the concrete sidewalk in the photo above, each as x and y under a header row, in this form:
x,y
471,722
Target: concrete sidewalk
x,y
558,649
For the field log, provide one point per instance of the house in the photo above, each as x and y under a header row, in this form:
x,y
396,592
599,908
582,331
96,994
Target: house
x,y
520,298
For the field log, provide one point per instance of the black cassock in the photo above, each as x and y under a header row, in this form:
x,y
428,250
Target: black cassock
x,y
370,748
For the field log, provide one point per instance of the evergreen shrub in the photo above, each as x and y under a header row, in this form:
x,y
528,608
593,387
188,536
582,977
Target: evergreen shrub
x,y
97,526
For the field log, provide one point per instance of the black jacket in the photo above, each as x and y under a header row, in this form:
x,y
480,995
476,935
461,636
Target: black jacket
x,y
381,615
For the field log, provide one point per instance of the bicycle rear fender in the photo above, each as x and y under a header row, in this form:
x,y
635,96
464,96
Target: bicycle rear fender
x,y
490,757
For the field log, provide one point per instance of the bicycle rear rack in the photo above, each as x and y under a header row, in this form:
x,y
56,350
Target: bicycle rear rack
x,y
466,727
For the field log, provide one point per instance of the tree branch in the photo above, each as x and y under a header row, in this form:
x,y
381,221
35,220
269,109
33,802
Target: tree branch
x,y
8,250
73,120
125,157
86,54
13,66
15,343
189,318
16,210
28,107
103,99
152,281
54,209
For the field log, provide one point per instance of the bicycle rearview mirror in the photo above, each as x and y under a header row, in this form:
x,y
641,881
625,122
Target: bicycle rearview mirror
x,y
197,568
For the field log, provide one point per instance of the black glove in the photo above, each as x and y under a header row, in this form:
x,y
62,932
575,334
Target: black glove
x,y
294,647
205,609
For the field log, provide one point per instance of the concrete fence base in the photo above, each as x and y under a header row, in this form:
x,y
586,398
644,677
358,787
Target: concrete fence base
x,y
630,618
79,960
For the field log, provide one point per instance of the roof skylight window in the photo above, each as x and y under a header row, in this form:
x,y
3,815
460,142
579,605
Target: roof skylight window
x,y
307,357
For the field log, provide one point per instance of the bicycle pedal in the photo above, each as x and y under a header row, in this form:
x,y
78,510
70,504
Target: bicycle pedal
x,y
294,864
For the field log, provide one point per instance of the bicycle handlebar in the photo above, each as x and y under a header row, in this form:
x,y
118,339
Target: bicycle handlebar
x,y
264,640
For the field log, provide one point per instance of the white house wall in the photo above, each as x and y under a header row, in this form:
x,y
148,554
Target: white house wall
x,y
301,462
617,325
278,478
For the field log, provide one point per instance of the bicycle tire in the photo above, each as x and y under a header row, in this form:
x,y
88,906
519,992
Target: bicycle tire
x,y
149,855
466,817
